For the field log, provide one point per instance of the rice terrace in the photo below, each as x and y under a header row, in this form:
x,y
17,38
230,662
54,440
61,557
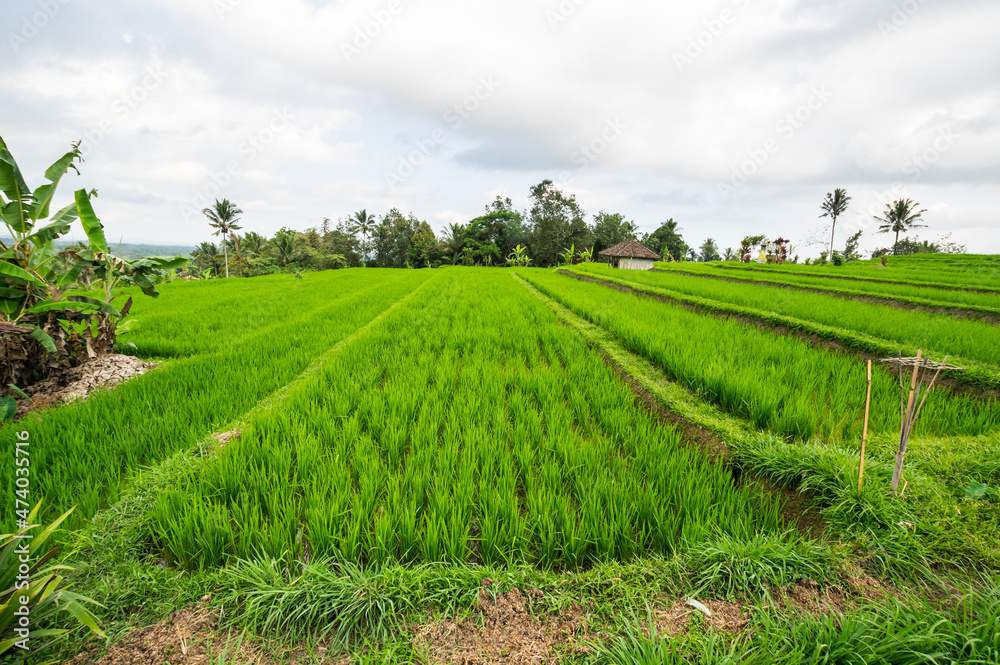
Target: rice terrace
x,y
699,462
476,333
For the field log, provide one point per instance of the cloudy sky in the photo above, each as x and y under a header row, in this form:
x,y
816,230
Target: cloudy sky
x,y
733,117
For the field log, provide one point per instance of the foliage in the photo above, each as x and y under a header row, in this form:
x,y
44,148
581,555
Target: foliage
x,y
708,251
611,229
54,319
223,217
666,240
833,206
899,216
554,222
364,224
851,247
28,584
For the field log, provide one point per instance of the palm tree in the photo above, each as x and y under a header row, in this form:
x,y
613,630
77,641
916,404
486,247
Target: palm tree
x,y
287,248
453,238
206,256
254,243
900,215
223,217
364,224
833,207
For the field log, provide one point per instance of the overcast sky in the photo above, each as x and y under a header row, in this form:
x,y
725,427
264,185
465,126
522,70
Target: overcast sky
x,y
733,117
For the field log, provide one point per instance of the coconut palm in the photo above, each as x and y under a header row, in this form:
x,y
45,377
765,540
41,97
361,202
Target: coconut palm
x,y
206,256
254,244
223,217
453,238
287,248
363,223
900,215
834,205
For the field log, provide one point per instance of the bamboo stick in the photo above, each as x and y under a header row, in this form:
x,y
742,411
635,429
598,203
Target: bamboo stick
x,y
906,418
864,432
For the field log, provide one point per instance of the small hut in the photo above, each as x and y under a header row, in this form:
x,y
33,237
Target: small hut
x,y
630,255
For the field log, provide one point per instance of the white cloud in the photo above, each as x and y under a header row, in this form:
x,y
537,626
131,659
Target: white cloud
x,y
688,125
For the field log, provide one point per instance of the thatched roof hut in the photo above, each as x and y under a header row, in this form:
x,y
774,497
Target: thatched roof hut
x,y
630,255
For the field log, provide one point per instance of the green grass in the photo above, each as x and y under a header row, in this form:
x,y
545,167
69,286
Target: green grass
x,y
951,301
170,409
941,333
828,318
901,270
778,383
458,429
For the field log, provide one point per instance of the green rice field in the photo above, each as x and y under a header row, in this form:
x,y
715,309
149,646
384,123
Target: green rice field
x,y
400,442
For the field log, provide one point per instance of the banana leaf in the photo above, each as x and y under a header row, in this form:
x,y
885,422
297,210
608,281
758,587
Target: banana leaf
x,y
91,224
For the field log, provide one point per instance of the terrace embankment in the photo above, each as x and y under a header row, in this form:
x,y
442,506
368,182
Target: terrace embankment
x,y
979,392
956,311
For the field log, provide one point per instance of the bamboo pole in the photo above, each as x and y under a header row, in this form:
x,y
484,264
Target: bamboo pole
x,y
904,429
864,432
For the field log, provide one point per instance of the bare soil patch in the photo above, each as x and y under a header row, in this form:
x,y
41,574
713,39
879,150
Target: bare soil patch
x,y
76,383
727,616
193,636
504,630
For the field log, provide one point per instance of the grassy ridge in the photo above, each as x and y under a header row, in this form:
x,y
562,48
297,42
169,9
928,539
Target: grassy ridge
x,y
964,301
468,425
960,338
150,417
778,383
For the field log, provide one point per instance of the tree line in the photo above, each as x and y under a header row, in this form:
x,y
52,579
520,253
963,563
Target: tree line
x,y
554,230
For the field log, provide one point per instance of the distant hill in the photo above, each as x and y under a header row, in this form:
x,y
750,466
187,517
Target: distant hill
x,y
129,251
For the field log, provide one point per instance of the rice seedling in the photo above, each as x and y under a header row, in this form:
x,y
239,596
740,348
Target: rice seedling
x,y
438,436
777,383
924,296
146,419
974,340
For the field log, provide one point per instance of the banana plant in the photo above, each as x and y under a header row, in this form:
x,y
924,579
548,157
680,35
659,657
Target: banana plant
x,y
40,589
569,254
519,255
39,292
586,255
